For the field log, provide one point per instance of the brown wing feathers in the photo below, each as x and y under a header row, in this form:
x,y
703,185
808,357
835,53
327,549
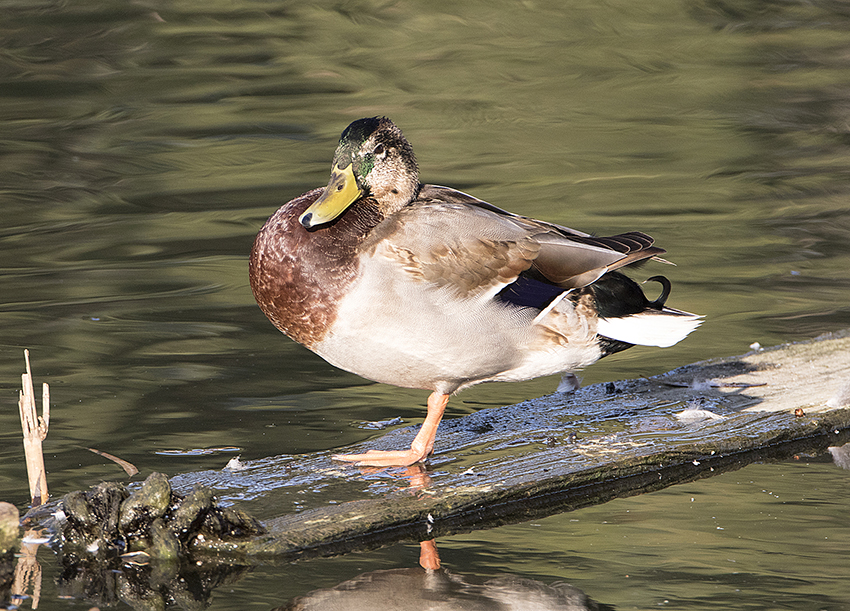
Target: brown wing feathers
x,y
469,246
575,261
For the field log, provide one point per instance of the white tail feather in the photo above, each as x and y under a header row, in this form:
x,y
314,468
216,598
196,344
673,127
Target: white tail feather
x,y
661,328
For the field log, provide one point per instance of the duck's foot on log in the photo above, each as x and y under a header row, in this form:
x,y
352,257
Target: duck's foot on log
x,y
420,449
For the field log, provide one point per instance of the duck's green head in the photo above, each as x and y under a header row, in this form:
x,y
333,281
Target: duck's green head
x,y
373,159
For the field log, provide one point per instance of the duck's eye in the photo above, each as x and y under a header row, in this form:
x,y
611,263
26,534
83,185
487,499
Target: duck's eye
x,y
379,151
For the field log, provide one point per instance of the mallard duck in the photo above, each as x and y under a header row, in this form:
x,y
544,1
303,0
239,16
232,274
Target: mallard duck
x,y
423,286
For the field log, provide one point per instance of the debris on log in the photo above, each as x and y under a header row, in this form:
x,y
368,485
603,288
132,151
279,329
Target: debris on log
x,y
108,520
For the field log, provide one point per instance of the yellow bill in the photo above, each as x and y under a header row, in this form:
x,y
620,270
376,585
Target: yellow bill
x,y
341,192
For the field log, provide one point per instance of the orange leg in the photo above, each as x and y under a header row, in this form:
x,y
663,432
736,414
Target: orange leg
x,y
422,445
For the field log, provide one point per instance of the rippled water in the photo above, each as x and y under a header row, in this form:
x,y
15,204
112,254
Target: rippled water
x,y
144,144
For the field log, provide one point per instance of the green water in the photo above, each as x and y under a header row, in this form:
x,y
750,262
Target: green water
x,y
142,145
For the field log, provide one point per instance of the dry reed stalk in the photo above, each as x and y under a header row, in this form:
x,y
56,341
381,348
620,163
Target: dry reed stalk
x,y
35,430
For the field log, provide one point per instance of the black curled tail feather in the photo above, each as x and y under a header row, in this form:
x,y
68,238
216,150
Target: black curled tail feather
x,y
658,304
617,295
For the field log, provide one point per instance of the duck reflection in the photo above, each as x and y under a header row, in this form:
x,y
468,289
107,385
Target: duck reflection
x,y
433,589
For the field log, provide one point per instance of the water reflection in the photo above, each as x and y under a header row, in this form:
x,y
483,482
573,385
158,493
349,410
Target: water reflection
x,y
142,583
145,585
435,589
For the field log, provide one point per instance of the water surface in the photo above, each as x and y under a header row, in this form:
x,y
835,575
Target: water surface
x,y
144,144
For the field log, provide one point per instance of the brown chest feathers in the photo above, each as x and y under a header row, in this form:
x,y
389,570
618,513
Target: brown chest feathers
x,y
298,276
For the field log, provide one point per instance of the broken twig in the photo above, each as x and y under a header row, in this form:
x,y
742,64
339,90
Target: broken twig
x,y
128,467
35,431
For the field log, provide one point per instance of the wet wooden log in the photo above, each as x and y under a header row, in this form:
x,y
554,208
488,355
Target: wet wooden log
x,y
553,454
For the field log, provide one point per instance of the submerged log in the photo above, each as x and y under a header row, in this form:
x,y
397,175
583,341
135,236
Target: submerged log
x,y
552,454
